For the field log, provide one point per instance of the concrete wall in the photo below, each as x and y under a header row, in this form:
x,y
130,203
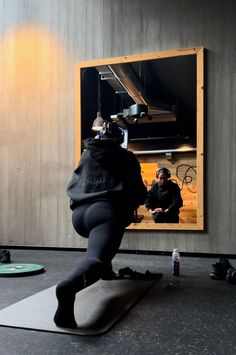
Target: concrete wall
x,y
40,42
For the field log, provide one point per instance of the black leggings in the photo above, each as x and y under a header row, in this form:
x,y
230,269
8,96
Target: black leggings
x,y
165,218
103,224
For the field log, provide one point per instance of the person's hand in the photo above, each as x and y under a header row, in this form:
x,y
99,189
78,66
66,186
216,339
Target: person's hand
x,y
157,210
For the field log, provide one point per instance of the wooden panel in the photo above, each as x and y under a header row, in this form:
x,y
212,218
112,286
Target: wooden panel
x,y
66,160
179,27
230,43
213,32
200,137
32,170
112,25
4,158
232,161
218,160
49,168
33,203
16,169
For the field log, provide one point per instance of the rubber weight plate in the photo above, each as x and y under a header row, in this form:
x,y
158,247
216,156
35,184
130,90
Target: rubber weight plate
x,y
14,269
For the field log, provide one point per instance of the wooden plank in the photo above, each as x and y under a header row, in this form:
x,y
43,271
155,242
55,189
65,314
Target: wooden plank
x,y
77,128
113,15
218,158
32,169
4,178
16,169
179,27
200,137
230,30
49,168
138,57
65,167
232,165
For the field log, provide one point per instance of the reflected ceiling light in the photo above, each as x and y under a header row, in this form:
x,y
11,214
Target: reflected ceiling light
x,y
186,148
98,122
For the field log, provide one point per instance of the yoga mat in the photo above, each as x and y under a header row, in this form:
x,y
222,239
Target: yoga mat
x,y
97,308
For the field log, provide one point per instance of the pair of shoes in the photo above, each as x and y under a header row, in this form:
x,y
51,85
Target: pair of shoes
x,y
5,256
128,273
231,276
220,269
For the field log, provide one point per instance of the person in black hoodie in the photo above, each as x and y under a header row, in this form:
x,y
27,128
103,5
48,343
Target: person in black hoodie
x,y
104,191
164,199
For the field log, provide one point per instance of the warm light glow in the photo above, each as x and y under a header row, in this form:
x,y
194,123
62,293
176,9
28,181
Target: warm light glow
x,y
31,59
185,148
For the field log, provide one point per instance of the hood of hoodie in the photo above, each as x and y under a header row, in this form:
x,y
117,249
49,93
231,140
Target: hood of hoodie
x,y
107,152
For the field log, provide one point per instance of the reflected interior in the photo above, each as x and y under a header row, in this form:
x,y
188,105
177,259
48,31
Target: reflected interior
x,y
155,102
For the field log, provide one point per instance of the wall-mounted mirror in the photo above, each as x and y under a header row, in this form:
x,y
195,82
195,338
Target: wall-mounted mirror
x,y
157,99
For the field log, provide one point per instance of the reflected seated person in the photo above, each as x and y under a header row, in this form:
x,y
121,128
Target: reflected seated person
x,y
164,198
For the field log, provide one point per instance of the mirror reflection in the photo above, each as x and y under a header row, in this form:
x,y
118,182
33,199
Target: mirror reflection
x,y
157,100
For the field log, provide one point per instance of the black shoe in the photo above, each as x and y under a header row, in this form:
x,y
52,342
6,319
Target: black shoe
x,y
128,273
5,256
220,269
231,276
108,275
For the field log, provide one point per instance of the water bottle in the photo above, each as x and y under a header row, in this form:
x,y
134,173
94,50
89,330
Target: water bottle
x,y
175,262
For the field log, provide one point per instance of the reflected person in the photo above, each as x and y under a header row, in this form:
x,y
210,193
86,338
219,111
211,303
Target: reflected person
x,y
104,191
164,198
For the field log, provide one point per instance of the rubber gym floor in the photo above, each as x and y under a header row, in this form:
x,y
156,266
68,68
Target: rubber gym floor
x,y
190,314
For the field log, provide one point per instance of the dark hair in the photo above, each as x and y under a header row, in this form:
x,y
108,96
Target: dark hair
x,y
164,171
111,130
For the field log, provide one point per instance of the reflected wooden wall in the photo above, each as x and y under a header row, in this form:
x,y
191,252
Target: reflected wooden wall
x,y
40,42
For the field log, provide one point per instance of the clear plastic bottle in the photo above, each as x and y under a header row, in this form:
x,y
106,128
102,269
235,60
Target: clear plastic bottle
x,y
176,262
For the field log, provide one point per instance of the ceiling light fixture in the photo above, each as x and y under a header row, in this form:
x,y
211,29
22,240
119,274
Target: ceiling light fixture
x,y
98,122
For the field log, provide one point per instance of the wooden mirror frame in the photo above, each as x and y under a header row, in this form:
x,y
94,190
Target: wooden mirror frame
x,y
199,52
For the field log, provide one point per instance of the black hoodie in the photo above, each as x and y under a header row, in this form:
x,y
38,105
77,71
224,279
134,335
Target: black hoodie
x,y
107,172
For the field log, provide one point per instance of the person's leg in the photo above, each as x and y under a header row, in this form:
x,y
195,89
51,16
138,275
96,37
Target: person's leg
x,y
172,218
101,221
159,217
105,237
84,275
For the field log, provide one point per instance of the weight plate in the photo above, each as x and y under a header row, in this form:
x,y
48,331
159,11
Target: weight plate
x,y
14,269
